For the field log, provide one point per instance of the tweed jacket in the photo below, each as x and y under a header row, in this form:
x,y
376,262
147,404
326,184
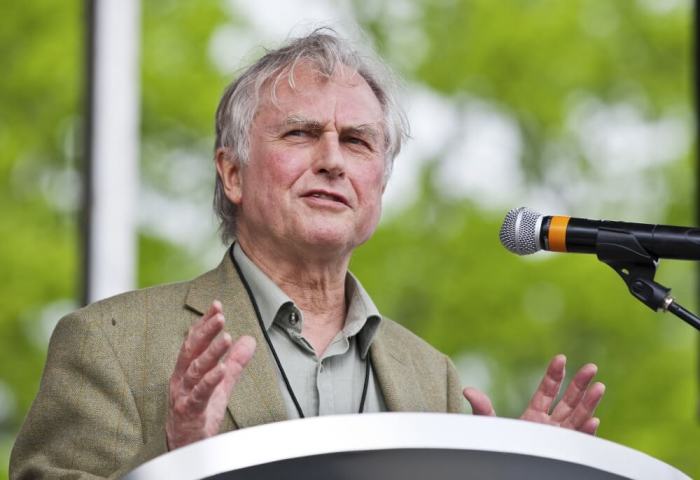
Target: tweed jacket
x,y
102,401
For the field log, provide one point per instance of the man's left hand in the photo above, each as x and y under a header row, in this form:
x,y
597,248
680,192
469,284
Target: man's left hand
x,y
574,410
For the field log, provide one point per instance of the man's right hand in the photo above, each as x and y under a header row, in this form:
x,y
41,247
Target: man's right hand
x,y
207,368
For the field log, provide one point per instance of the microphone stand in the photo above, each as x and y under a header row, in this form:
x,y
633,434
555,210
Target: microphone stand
x,y
623,253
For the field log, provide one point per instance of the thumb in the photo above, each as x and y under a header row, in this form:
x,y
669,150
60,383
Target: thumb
x,y
479,401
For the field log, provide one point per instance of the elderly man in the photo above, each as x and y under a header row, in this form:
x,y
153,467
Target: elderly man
x,y
306,138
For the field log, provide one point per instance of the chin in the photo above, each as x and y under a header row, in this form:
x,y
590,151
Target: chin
x,y
330,235
328,241
328,238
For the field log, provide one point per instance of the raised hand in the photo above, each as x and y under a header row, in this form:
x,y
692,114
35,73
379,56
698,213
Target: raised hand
x,y
575,409
207,368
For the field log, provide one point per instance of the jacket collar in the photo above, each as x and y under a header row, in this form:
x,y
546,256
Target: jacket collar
x,y
393,365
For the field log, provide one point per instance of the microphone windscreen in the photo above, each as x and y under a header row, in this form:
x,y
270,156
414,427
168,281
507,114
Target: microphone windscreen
x,y
520,230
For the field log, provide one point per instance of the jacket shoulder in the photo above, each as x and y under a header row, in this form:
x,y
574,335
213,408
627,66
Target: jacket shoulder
x,y
410,341
142,329
127,305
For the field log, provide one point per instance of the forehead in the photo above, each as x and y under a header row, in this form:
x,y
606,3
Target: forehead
x,y
343,97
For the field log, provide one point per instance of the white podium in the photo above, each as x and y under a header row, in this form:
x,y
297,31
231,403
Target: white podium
x,y
404,446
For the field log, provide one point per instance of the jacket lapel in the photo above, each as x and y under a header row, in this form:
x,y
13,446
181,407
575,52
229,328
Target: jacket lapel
x,y
256,397
397,377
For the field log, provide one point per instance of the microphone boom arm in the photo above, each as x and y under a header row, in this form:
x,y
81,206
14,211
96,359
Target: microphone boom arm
x,y
622,251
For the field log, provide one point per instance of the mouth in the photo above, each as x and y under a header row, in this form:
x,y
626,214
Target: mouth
x,y
328,196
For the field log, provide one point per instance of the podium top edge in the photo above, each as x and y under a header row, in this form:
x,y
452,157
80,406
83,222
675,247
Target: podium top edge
x,y
395,431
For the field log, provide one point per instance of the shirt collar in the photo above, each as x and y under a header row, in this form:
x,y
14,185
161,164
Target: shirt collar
x,y
363,317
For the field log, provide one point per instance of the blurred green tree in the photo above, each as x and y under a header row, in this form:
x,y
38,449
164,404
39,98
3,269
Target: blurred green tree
x,y
39,93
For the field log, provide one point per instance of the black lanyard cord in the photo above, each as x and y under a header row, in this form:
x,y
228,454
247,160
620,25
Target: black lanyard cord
x,y
274,352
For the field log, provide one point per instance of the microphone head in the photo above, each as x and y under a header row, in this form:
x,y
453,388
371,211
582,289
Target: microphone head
x,y
520,232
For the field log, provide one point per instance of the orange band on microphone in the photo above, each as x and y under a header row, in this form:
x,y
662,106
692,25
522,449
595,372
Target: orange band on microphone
x,y
557,233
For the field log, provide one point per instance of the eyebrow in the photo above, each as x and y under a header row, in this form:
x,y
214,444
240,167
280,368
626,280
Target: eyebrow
x,y
299,121
365,129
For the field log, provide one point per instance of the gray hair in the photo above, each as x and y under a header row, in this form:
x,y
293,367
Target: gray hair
x,y
327,52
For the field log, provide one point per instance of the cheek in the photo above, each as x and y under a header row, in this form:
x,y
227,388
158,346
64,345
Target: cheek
x,y
275,175
370,192
372,210
372,182
282,167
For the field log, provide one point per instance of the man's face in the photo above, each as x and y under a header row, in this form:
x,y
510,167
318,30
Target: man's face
x,y
315,174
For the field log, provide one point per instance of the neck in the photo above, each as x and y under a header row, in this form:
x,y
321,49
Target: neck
x,y
316,285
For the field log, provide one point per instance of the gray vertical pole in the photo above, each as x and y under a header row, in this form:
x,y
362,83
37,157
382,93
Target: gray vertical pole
x,y
112,138
86,211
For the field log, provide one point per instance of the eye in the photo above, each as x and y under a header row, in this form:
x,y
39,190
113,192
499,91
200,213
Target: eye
x,y
296,133
359,142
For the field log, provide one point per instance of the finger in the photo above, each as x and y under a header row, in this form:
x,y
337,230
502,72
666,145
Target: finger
x,y
574,392
548,389
202,392
198,339
585,409
590,426
214,308
238,357
206,361
479,401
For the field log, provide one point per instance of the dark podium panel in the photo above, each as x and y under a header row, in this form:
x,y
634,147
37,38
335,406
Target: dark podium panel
x,y
405,446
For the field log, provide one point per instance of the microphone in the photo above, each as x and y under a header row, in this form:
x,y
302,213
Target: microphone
x,y
525,231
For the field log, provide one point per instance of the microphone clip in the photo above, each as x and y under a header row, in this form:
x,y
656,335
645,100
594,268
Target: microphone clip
x,y
622,251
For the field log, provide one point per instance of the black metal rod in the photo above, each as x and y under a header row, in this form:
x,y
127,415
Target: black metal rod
x,y
686,315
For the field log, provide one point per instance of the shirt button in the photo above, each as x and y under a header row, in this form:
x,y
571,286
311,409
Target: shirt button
x,y
293,318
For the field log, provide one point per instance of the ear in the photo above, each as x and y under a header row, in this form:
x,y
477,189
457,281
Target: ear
x,y
229,170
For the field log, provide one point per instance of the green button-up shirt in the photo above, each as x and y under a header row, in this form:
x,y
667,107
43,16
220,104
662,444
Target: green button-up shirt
x,y
333,383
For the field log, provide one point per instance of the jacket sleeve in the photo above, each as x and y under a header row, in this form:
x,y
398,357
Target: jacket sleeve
x,y
84,423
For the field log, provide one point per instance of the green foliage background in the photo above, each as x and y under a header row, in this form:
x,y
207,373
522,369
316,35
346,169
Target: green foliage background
x,y
500,317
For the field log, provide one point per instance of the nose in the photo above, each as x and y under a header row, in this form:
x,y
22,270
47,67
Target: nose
x,y
329,159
